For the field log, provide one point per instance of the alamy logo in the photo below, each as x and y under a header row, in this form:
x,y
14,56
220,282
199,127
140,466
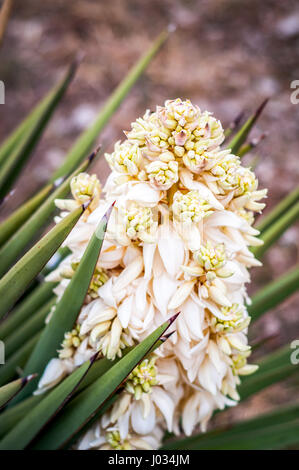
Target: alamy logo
x,y
2,92
295,354
2,352
295,94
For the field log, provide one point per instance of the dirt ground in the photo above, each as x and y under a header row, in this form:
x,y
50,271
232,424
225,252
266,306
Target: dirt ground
x,y
225,55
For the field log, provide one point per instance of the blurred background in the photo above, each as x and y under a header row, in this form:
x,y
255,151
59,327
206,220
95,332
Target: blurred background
x,y
226,56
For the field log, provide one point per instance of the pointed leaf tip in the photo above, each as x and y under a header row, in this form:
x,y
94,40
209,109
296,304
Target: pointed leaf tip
x,y
94,357
28,378
173,318
86,204
94,153
167,336
261,107
108,212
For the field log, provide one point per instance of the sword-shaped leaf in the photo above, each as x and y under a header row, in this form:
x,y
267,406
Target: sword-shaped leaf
x,y
19,134
32,326
234,125
275,430
274,293
279,210
8,391
270,235
248,146
272,369
16,362
13,284
82,408
23,433
26,308
28,231
13,414
54,262
16,159
237,141
68,307
86,140
9,226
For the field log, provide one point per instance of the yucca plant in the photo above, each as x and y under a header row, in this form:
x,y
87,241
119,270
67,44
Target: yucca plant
x,y
87,364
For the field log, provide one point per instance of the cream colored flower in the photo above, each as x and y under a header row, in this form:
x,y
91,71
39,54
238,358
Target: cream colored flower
x,y
125,159
142,378
162,175
236,320
84,188
139,222
190,207
72,341
179,113
178,239
210,257
98,279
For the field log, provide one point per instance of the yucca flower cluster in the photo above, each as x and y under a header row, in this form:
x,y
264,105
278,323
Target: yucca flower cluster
x,y
178,239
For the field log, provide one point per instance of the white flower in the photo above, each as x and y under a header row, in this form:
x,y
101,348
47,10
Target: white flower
x,y
126,158
190,207
178,239
84,188
162,175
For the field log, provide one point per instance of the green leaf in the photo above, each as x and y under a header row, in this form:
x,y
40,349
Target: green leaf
x,y
8,391
54,262
87,138
68,307
103,365
279,210
9,226
237,141
248,146
81,409
234,125
274,293
275,430
13,284
93,374
28,231
14,162
23,433
24,310
273,368
11,367
18,135
270,235
13,414
33,325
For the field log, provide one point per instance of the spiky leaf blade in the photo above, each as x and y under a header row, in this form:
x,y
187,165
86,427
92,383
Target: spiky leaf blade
x,y
9,226
13,284
279,210
68,307
28,232
276,230
274,293
80,410
237,141
8,391
24,310
14,162
23,433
